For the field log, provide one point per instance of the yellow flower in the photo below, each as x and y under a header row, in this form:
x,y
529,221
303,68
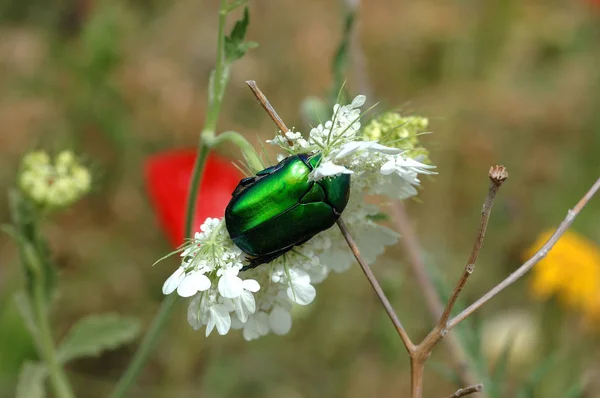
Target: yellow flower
x,y
570,271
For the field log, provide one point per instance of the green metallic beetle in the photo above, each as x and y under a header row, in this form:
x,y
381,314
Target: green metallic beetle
x,y
280,208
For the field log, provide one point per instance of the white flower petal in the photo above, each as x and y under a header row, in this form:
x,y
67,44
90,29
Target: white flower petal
x,y
302,294
251,285
372,146
280,320
358,101
230,285
300,291
173,281
236,324
193,314
210,325
328,169
244,305
388,167
193,283
256,326
373,241
219,317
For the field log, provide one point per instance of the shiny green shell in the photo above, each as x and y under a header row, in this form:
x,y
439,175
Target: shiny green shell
x,y
279,208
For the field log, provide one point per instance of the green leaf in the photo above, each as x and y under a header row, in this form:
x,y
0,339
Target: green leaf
x,y
11,231
536,377
235,46
498,376
97,333
233,5
31,381
24,306
340,59
576,390
33,249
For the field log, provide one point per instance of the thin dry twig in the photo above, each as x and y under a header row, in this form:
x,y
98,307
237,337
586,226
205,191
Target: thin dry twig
x,y
262,99
434,303
408,344
523,269
463,392
498,175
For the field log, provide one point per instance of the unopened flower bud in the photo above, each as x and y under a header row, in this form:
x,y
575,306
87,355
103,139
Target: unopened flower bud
x,y
54,185
393,130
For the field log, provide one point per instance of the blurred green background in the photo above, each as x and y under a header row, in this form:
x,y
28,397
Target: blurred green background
x,y
502,81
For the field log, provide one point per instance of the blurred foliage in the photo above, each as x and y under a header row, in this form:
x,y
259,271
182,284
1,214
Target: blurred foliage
x,y
506,82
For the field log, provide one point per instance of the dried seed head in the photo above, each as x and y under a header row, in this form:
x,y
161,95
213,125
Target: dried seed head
x,y
498,174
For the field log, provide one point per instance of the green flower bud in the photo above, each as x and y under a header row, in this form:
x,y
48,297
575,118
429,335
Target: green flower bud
x,y
393,130
54,185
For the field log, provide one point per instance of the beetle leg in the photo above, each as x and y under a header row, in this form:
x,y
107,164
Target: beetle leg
x,y
256,261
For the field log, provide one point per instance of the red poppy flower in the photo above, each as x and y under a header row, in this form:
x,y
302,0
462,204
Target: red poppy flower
x,y
167,177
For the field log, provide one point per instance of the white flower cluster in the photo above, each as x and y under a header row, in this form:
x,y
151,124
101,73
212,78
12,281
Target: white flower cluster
x,y
261,302
54,184
376,168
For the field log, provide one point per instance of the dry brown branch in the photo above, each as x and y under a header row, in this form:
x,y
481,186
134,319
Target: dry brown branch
x,y
463,392
434,303
262,99
497,176
408,344
523,269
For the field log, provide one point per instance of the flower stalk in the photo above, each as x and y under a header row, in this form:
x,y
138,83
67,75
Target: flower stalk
x,y
58,379
207,141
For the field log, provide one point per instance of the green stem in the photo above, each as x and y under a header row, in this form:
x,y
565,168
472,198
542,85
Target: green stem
x,y
195,188
207,137
160,320
218,79
58,379
146,346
